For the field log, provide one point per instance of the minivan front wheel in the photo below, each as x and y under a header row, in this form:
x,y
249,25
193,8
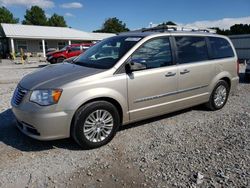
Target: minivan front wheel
x,y
219,96
95,124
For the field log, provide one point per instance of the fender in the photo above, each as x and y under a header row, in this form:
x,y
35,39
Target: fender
x,y
218,77
83,97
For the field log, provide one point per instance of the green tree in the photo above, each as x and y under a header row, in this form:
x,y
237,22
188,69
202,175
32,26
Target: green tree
x,y
35,16
221,31
240,29
6,16
236,29
113,25
57,21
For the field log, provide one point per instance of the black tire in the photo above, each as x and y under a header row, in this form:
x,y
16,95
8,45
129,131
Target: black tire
x,y
211,103
77,130
60,59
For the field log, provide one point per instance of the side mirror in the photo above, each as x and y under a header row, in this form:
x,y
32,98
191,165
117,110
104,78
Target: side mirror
x,y
133,66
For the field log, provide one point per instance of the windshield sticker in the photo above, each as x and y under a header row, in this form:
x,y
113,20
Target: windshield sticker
x,y
133,39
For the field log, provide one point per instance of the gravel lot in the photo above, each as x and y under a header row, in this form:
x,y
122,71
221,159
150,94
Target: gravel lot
x,y
190,148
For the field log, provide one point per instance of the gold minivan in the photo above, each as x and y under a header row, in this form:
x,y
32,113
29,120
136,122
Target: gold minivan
x,y
123,79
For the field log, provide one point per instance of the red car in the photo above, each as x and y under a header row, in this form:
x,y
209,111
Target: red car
x,y
67,52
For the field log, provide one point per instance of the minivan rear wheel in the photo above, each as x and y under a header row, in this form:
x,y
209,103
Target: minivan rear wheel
x,y
219,96
95,124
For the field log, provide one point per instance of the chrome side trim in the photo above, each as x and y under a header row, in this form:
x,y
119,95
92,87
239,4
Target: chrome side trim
x,y
168,94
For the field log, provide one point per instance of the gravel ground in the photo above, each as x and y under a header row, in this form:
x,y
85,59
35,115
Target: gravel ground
x,y
189,148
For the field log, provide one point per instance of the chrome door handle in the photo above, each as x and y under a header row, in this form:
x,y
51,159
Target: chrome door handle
x,y
170,74
185,71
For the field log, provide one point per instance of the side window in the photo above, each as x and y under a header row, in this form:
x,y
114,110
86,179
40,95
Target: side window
x,y
41,45
191,49
220,48
61,45
22,44
75,48
154,53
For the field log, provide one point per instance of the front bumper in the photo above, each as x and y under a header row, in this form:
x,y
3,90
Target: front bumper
x,y
43,126
51,59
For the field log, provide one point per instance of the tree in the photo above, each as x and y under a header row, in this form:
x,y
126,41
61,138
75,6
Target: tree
x,y
167,23
240,29
57,21
35,16
113,25
6,16
221,31
236,29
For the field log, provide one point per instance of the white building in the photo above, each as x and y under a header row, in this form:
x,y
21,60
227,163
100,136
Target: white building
x,y
36,39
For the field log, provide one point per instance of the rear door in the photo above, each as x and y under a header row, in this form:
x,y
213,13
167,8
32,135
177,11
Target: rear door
x,y
194,69
74,51
151,91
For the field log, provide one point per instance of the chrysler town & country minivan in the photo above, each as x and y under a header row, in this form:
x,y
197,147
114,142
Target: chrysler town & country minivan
x,y
124,79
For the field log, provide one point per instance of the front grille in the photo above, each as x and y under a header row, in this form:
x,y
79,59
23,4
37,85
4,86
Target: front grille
x,y
18,95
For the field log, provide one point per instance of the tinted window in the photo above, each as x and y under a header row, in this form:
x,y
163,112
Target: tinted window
x,y
154,53
75,48
220,48
191,49
61,45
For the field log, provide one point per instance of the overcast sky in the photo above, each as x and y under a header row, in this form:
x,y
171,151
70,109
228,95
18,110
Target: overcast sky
x,y
89,15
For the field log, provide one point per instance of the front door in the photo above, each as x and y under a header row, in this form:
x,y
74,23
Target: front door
x,y
151,91
74,51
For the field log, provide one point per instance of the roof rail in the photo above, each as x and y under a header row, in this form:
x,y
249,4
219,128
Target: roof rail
x,y
161,28
165,28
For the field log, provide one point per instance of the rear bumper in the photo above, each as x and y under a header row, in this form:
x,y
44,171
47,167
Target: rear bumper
x,y
234,84
44,126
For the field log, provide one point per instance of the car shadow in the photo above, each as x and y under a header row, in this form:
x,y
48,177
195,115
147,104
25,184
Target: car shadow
x,y
165,116
11,136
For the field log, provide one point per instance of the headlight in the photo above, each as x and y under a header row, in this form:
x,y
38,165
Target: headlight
x,y
46,97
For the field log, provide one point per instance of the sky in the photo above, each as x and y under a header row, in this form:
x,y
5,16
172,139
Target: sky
x,y
89,15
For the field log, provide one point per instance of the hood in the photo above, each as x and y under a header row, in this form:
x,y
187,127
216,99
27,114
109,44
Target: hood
x,y
54,76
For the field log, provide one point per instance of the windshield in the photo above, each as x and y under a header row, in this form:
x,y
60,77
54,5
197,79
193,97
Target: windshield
x,y
106,53
64,48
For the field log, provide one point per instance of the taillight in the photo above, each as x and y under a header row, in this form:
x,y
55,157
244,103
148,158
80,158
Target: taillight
x,y
238,67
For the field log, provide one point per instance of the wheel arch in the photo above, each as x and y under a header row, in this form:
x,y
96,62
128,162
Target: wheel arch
x,y
226,76
61,56
227,80
107,99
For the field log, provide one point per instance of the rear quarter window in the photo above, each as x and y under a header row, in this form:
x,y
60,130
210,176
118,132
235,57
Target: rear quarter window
x,y
220,48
